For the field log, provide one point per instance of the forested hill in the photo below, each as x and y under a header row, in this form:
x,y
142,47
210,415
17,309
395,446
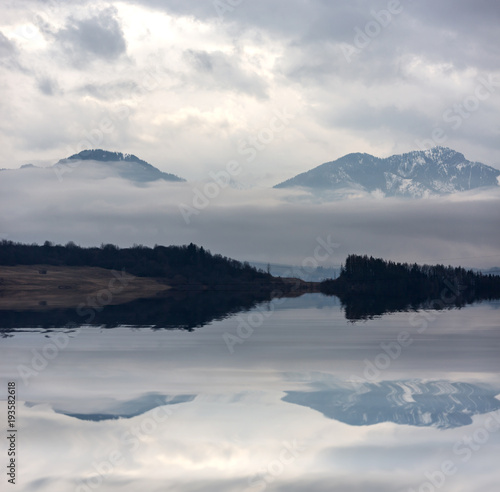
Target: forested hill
x,y
363,275
181,265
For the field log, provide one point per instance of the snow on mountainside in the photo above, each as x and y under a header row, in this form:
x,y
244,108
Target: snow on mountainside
x,y
417,174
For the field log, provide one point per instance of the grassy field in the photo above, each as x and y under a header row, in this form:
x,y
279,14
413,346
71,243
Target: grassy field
x,y
41,287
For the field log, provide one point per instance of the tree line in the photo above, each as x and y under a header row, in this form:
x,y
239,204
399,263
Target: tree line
x,y
188,265
363,275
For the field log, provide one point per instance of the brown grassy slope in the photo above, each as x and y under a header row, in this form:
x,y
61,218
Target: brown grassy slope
x,y
24,287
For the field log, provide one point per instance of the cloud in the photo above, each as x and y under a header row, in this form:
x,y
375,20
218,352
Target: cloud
x,y
221,78
110,91
362,116
97,37
7,47
9,53
48,86
254,225
219,71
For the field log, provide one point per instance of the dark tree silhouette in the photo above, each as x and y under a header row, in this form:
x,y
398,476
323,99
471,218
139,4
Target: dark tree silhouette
x,y
184,266
370,286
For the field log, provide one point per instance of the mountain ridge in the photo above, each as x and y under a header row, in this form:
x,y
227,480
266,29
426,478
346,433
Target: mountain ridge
x,y
137,170
105,163
416,174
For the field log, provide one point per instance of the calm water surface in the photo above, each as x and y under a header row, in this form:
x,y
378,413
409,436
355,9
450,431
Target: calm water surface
x,y
286,397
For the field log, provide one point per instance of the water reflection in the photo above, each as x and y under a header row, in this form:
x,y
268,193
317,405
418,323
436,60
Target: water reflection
x,y
182,413
111,409
363,307
181,310
440,404
190,310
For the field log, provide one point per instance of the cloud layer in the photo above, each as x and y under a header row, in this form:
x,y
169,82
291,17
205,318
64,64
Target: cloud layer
x,y
263,225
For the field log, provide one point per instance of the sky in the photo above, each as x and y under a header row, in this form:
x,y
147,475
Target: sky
x,y
188,86
270,88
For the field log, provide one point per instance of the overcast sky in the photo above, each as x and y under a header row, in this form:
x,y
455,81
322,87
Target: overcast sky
x,y
277,86
186,85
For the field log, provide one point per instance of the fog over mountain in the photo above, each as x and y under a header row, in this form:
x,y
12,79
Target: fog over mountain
x,y
259,224
100,164
417,174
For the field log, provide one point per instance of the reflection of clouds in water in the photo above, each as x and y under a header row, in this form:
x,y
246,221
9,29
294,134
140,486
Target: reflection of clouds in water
x,y
237,424
223,441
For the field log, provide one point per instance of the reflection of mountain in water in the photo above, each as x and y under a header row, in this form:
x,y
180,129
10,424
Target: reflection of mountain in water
x,y
111,409
442,404
185,310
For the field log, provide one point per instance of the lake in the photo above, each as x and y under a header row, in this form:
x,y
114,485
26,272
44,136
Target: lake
x,y
287,396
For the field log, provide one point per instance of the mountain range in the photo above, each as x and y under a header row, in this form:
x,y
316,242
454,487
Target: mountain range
x,y
438,171
417,174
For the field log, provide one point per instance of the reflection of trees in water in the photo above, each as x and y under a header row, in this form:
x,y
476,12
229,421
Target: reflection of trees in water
x,y
361,307
370,286
188,310
184,310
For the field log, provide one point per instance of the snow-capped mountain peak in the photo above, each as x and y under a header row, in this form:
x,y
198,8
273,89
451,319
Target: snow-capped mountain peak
x,y
416,174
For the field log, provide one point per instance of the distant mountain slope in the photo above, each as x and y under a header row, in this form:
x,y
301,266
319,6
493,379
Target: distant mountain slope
x,y
437,171
127,166
99,164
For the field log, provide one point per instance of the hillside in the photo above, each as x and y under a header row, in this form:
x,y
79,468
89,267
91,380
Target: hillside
x,y
43,287
127,166
439,171
185,266
101,164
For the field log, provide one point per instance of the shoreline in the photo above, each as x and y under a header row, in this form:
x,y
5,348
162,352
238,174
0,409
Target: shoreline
x,y
46,287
